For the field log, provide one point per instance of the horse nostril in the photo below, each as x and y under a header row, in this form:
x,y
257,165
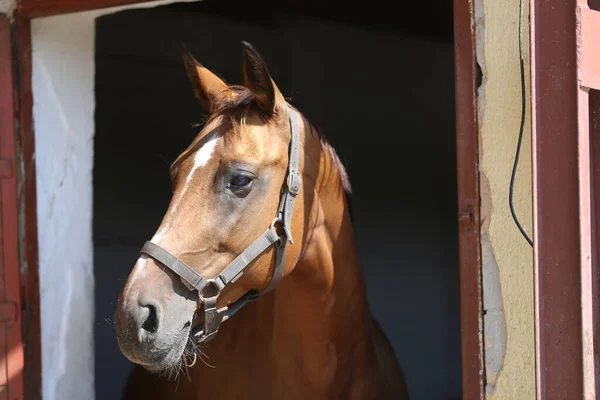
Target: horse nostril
x,y
151,323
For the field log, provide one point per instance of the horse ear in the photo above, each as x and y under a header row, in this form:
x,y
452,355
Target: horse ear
x,y
258,80
206,84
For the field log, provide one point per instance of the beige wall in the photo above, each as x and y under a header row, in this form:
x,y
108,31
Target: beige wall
x,y
507,257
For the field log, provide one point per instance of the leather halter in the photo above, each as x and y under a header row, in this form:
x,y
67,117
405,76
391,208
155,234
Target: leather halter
x,y
209,289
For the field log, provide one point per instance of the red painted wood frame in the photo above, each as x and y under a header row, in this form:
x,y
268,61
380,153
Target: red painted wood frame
x,y
565,65
467,169
467,134
28,226
588,100
11,348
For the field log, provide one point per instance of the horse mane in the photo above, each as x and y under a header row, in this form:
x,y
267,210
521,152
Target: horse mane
x,y
238,106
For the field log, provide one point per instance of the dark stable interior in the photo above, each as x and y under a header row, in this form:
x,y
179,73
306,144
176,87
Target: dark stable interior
x,y
381,87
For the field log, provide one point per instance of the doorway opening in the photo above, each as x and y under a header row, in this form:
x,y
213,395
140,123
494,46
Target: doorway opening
x,y
365,64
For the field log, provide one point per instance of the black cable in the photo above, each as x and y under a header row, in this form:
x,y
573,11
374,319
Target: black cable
x,y
523,109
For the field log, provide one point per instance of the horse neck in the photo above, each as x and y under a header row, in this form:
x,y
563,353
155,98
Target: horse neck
x,y
328,274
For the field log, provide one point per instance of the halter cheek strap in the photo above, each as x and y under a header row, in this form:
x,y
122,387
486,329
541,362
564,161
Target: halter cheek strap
x,y
209,289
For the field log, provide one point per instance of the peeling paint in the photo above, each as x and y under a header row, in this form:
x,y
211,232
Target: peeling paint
x,y
493,319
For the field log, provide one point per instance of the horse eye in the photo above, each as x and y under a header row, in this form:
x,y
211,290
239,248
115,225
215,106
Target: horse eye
x,y
240,181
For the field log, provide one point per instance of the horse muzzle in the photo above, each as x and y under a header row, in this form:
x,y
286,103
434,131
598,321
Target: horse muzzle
x,y
152,334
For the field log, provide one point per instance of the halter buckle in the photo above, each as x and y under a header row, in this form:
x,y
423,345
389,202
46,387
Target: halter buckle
x,y
212,322
213,316
294,182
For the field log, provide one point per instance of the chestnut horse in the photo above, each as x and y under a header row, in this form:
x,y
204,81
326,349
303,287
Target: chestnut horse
x,y
305,331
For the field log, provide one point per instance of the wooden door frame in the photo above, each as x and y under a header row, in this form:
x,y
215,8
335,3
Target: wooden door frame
x,y
27,209
11,336
467,148
555,200
564,37
467,170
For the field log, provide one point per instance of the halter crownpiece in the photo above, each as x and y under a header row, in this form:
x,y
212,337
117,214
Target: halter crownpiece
x,y
209,289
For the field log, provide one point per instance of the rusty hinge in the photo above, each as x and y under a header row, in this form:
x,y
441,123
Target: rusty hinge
x,y
6,168
8,311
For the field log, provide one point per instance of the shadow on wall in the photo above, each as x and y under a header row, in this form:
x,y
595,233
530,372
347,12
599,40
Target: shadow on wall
x,y
386,103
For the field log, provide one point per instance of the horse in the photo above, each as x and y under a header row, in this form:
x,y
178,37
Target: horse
x,y
251,287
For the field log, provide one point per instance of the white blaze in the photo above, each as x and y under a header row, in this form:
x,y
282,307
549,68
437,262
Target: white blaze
x,y
202,157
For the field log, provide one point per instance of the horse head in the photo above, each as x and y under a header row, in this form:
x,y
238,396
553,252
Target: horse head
x,y
222,239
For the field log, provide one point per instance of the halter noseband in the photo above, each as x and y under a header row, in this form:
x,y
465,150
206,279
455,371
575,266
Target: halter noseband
x,y
209,289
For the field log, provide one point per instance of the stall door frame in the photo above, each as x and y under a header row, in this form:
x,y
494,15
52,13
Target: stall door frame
x,y
11,345
467,172
565,68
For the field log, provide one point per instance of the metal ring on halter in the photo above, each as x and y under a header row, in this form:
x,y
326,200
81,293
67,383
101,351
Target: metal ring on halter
x,y
215,285
278,218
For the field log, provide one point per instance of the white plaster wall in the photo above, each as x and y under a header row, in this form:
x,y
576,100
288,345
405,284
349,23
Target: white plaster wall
x,y
63,91
7,7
